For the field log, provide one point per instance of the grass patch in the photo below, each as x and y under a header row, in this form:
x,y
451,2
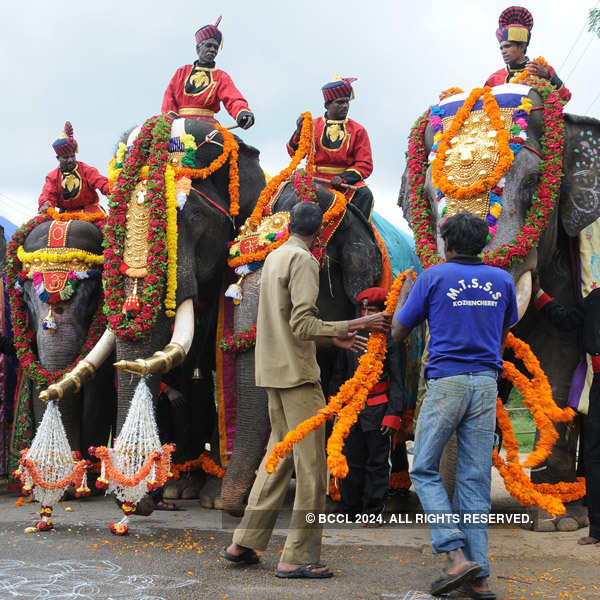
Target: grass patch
x,y
522,421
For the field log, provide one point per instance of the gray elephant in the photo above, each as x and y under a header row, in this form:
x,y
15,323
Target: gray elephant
x,y
353,263
204,226
578,206
89,414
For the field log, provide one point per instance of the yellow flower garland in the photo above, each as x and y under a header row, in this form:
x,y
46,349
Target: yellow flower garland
x,y
46,256
171,202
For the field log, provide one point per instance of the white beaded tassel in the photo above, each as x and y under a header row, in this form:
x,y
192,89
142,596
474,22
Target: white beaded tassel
x,y
137,441
51,454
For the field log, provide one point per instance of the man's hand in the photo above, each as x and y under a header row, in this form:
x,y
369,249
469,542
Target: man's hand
x,y
406,287
337,182
377,322
538,70
245,119
44,207
354,342
386,430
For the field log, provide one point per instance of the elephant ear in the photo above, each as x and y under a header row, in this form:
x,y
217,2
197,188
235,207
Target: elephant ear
x,y
580,189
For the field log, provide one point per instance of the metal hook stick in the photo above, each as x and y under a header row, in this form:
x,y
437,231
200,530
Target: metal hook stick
x,y
344,185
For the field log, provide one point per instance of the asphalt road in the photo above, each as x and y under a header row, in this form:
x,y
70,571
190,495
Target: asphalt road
x,y
174,556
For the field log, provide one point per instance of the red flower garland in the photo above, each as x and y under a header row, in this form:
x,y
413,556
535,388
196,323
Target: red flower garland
x,y
239,342
23,336
542,202
153,140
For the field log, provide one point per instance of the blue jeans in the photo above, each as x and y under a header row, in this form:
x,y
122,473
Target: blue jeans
x,y
466,404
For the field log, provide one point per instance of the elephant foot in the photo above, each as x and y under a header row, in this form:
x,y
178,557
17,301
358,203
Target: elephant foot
x,y
575,518
171,490
186,488
210,496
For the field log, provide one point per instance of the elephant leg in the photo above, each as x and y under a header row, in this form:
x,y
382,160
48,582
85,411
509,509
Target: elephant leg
x,y
210,496
252,432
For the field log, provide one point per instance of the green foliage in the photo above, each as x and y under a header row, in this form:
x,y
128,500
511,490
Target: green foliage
x,y
521,421
594,21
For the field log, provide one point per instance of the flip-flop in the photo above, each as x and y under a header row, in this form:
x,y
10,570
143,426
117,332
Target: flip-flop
x,y
450,581
248,557
304,572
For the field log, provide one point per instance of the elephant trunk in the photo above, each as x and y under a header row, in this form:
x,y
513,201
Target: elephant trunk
x,y
252,431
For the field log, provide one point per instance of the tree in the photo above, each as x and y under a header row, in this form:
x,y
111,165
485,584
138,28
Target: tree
x,y
594,21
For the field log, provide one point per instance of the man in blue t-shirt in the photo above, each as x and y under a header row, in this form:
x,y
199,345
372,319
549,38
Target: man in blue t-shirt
x,y
469,307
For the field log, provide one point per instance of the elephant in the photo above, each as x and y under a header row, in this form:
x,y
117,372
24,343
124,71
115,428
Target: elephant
x,y
578,206
88,415
353,263
204,228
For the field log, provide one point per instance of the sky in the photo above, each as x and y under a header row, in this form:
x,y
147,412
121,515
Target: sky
x,y
105,65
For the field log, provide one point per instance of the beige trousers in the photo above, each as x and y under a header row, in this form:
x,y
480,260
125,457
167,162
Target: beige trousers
x,y
287,409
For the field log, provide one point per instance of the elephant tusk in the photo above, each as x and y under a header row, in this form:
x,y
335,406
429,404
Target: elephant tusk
x,y
174,353
70,383
523,287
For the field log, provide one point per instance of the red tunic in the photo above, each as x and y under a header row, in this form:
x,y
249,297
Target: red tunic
x,y
343,148
201,94
81,190
505,75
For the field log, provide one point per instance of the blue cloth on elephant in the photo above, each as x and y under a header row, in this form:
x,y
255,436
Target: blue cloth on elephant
x,y
210,32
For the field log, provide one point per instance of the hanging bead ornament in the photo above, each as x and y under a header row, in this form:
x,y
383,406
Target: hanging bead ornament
x,y
49,466
137,463
49,323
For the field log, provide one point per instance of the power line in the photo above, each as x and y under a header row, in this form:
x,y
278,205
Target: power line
x,y
579,59
592,104
577,39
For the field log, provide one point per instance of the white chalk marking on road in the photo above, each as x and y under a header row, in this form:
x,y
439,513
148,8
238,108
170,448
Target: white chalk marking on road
x,y
71,579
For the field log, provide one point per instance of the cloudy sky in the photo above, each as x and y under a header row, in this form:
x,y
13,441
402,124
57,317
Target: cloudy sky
x,y
105,65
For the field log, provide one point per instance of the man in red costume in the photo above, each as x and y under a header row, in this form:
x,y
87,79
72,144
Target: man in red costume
x,y
514,33
342,146
72,185
197,90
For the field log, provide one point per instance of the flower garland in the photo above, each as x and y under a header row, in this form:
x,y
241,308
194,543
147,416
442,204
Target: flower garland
x,y
27,467
537,396
543,200
525,73
204,462
491,109
23,336
171,201
347,403
305,147
159,460
75,215
335,492
520,118
49,256
187,170
239,342
153,140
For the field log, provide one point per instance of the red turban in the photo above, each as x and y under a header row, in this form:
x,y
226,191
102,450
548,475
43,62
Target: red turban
x,y
373,296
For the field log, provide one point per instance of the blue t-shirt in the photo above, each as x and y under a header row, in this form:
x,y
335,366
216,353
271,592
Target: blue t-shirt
x,y
467,306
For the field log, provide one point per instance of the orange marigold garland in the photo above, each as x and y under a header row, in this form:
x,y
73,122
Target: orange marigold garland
x,y
537,396
72,215
347,403
204,462
521,77
486,183
305,148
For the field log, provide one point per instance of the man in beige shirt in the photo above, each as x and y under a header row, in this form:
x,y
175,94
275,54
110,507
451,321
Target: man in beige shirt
x,y
286,365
